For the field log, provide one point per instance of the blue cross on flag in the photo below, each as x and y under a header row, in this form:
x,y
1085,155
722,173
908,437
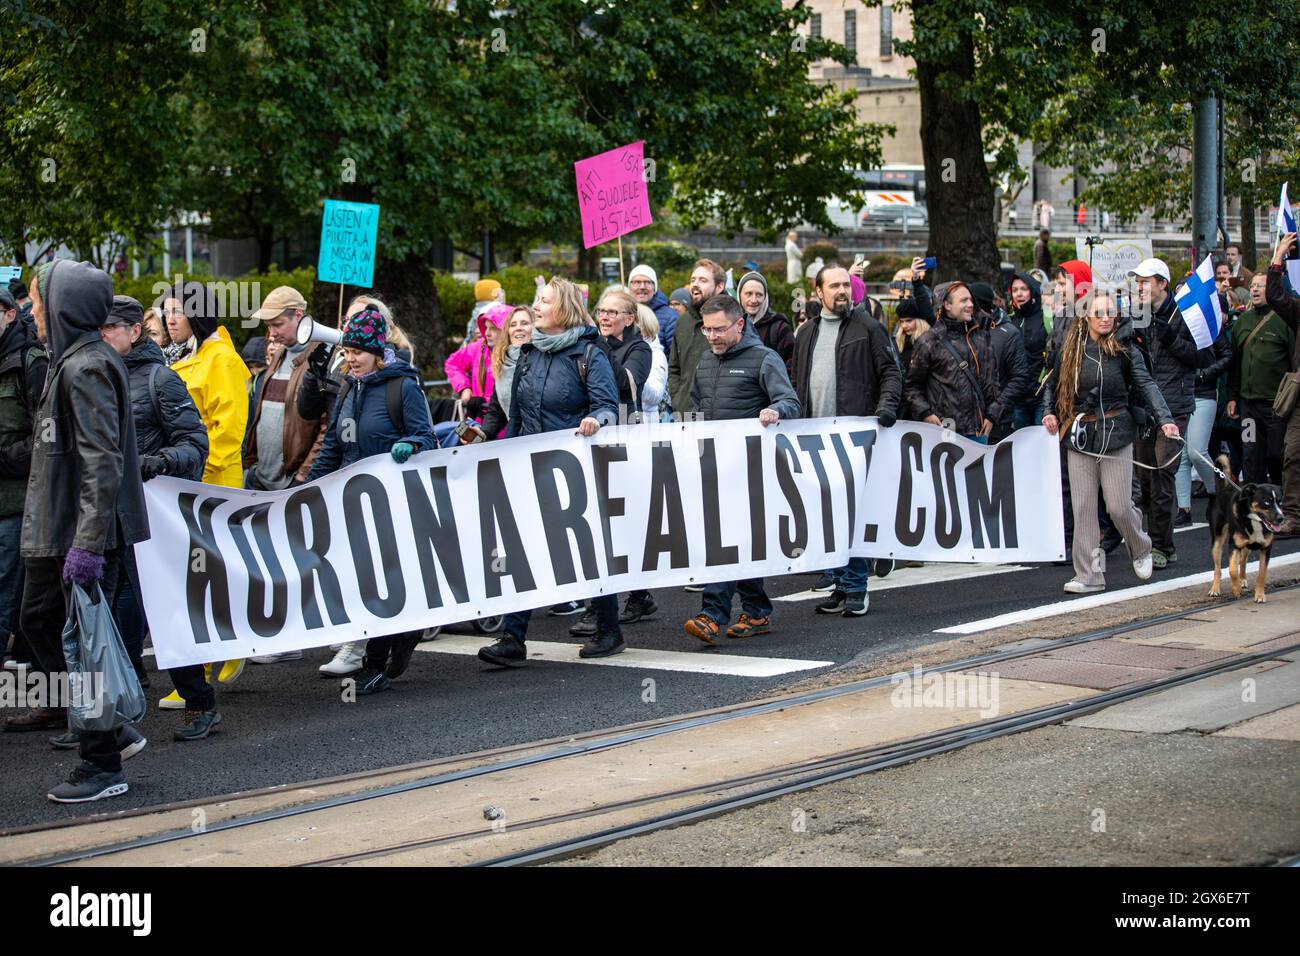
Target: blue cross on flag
x,y
1198,300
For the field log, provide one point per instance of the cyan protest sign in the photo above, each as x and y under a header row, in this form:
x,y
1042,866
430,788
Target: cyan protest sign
x,y
9,273
349,236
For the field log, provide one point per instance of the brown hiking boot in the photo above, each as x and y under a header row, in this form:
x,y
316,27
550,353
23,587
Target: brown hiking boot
x,y
749,626
703,627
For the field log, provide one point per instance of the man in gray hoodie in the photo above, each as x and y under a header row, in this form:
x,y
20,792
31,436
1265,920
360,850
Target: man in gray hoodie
x,y
739,377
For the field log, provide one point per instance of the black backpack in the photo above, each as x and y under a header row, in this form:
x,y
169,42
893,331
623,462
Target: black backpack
x,y
392,398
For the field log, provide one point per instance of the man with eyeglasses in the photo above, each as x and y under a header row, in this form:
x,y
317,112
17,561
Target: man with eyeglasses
x,y
739,377
643,283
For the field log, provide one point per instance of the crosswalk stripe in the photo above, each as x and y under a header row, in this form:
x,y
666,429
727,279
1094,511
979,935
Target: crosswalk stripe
x,y
1103,598
934,573
691,662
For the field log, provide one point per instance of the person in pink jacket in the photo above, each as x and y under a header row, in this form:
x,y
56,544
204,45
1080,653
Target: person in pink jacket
x,y
469,368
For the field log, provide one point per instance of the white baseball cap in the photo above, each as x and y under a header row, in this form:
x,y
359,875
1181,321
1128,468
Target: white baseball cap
x,y
1151,267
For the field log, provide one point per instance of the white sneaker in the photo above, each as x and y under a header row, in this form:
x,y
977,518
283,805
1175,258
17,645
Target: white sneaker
x,y
346,661
1142,567
1078,587
277,658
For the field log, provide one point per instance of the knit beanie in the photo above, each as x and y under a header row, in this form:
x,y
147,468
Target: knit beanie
x,y
644,272
366,331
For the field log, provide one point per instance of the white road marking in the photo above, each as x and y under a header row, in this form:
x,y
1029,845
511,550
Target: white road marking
x,y
693,662
1192,527
932,573
1104,598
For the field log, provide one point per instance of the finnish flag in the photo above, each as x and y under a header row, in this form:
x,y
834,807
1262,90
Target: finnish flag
x,y
1198,300
1286,222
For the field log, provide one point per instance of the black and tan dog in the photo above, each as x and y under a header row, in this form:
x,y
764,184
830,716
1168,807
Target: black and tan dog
x,y
1249,515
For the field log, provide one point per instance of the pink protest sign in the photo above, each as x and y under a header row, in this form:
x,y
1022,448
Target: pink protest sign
x,y
612,195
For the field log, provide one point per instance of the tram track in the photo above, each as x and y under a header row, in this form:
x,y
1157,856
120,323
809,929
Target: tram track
x,y
770,783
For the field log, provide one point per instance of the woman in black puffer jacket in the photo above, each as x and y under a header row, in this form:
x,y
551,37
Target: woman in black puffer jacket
x,y
1086,401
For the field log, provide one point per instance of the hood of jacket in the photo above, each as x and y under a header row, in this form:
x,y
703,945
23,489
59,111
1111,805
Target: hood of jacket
x,y
20,335
1034,307
497,315
766,306
144,352
1080,275
77,299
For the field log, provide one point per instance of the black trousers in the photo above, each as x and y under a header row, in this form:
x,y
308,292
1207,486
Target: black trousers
x,y
194,687
1263,456
46,599
1158,485
379,648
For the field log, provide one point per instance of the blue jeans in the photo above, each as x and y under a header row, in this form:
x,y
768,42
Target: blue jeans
x,y
852,578
11,576
753,599
128,609
1199,427
605,606
1026,414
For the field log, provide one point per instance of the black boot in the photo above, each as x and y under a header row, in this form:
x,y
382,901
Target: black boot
x,y
603,645
198,724
507,652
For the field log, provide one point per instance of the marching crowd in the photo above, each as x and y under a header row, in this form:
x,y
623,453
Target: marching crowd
x,y
99,394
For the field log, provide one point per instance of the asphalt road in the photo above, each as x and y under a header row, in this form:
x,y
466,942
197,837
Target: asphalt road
x,y
284,724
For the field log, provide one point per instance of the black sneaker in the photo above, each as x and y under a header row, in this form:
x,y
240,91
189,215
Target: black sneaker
x,y
86,783
70,740
567,609
1184,519
603,645
585,626
824,583
882,567
506,652
833,604
855,605
635,610
198,724
399,657
371,682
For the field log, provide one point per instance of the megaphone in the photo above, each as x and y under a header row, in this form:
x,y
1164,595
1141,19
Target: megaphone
x,y
309,330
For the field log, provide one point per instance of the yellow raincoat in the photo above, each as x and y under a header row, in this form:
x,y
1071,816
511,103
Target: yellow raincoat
x,y
217,381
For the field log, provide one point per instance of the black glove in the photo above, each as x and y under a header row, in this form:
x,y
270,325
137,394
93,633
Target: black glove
x,y
151,466
319,362
474,406
886,417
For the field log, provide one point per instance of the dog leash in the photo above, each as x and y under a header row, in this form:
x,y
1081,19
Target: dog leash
x,y
1214,468
1099,457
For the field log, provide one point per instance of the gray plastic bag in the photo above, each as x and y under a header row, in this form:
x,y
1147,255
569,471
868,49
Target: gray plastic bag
x,y
103,689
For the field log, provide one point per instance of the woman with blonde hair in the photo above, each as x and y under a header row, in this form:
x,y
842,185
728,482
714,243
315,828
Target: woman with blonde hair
x,y
1086,402
505,359
564,382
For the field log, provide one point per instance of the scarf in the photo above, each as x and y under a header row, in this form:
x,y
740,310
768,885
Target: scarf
x,y
559,341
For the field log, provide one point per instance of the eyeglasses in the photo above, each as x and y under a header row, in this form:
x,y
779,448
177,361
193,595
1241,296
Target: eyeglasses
x,y
610,313
712,333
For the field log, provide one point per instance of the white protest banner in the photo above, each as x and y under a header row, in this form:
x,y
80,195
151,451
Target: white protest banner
x,y
1113,258
457,534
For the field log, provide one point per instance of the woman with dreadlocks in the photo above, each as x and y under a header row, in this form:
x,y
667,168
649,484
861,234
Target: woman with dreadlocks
x,y
1086,401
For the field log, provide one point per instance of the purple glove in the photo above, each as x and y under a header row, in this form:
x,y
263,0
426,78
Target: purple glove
x,y
84,567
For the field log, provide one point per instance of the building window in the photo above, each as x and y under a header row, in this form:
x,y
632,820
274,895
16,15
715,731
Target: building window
x,y
851,34
887,30
815,25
